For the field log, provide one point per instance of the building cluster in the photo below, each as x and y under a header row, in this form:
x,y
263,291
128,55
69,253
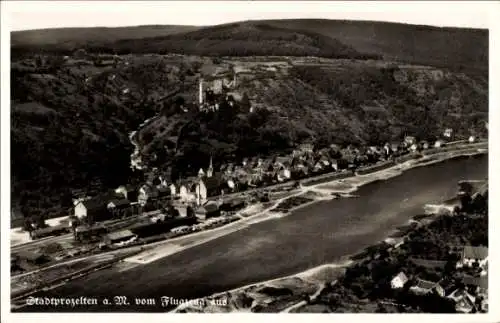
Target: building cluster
x,y
471,295
214,90
197,194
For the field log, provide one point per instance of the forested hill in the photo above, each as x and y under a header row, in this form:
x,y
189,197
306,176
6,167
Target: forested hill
x,y
70,38
457,48
71,117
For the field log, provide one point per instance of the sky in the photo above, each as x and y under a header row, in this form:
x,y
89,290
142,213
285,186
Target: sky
x,y
23,15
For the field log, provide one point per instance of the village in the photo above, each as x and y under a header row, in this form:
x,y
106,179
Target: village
x,y
133,216
160,209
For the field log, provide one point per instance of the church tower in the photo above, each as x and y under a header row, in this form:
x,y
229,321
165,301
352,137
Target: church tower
x,y
210,169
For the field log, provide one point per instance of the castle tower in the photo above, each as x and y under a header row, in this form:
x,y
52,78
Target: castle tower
x,y
210,169
201,91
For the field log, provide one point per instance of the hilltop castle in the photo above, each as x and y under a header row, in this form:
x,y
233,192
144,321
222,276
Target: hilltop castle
x,y
212,89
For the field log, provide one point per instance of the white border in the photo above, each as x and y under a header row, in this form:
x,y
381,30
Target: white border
x,y
299,9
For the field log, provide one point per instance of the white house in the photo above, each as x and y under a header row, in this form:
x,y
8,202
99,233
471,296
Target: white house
x,y
471,255
173,190
184,193
413,147
448,132
201,173
80,209
230,184
438,144
472,139
399,281
284,174
410,140
387,149
318,167
334,164
201,192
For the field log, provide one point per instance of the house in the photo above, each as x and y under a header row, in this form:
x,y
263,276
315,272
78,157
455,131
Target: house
x,y
424,287
394,147
413,147
231,185
185,190
146,192
464,302
283,161
318,167
127,191
399,281
472,139
478,284
448,133
173,189
386,149
306,148
283,175
471,255
200,192
90,233
439,144
325,161
409,140
182,209
94,210
424,144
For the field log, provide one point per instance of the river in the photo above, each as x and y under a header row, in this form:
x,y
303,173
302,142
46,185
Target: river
x,y
324,232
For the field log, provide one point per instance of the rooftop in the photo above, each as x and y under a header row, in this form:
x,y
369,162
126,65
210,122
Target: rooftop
x,y
481,282
475,252
401,276
121,235
425,284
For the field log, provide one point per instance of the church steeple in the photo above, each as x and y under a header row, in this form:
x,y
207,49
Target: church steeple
x,y
210,169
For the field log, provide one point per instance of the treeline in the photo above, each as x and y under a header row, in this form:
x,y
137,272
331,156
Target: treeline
x,y
226,40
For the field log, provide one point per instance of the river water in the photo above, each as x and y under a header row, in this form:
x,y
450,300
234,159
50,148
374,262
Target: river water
x,y
324,232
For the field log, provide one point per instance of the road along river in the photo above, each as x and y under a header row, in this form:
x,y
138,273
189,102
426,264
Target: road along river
x,y
323,232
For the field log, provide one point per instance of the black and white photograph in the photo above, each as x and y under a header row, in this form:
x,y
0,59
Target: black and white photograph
x,y
246,157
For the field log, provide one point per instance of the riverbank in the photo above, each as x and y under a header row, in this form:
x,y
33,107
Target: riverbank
x,y
294,287
323,191
324,232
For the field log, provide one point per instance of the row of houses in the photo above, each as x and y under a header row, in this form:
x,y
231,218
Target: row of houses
x,y
465,297
302,162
